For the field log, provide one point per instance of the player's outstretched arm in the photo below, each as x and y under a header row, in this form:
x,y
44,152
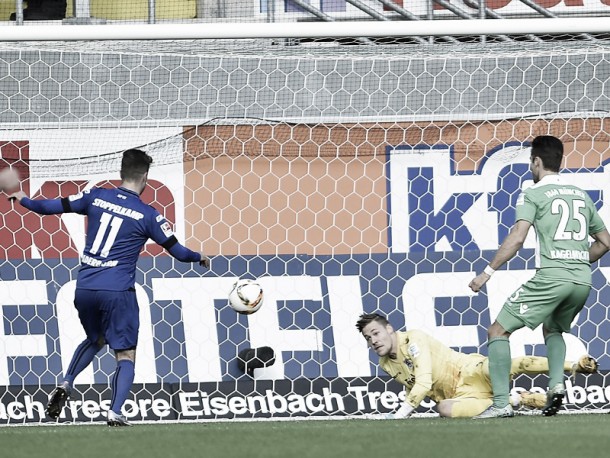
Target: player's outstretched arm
x,y
41,206
183,254
404,411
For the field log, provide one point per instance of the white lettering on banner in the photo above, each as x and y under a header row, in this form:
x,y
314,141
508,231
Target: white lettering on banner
x,y
21,292
345,299
313,402
389,400
358,392
238,405
197,295
591,394
93,409
364,400
71,334
476,217
265,328
202,404
189,403
33,408
194,404
197,404
418,296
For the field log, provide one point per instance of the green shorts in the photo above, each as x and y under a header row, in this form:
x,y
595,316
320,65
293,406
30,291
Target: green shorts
x,y
544,300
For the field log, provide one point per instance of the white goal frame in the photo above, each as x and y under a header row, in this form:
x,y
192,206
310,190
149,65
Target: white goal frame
x,y
309,29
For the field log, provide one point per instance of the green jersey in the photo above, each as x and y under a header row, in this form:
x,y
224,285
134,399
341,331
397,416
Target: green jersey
x,y
563,217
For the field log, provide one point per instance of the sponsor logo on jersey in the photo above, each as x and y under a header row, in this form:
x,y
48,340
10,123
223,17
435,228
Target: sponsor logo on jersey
x,y
414,350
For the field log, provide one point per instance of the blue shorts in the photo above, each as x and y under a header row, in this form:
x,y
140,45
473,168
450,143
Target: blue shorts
x,y
111,315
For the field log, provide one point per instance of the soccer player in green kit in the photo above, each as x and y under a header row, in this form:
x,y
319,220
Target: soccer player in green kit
x,y
563,217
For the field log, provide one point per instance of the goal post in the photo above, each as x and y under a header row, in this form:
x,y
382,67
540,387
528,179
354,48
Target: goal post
x,y
228,30
347,179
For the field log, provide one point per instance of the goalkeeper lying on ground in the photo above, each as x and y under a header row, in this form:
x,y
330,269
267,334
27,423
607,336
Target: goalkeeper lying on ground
x,y
458,382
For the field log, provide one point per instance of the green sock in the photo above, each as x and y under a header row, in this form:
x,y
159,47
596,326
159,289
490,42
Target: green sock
x,y
556,355
499,369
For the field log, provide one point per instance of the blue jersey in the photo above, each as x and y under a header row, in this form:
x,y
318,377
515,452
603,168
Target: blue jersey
x,y
118,226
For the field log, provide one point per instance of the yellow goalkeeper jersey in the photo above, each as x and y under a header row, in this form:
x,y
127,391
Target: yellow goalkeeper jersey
x,y
425,366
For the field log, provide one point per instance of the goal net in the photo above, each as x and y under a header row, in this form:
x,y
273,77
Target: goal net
x,y
370,177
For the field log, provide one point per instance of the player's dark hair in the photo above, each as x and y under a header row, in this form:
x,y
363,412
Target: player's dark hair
x,y
367,318
550,150
135,164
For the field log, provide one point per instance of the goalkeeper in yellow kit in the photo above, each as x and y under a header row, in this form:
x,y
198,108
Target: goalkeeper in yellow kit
x,y
459,383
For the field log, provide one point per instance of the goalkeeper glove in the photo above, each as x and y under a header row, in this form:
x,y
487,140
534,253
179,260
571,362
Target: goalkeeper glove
x,y
404,411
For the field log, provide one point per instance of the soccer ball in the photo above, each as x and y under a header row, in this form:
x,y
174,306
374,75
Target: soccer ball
x,y
9,180
246,296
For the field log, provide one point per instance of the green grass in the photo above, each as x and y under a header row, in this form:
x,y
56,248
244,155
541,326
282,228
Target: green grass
x,y
524,436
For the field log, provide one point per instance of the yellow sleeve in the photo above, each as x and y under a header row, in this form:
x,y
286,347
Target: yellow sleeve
x,y
422,369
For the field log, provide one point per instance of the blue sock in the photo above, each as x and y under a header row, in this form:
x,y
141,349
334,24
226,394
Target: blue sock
x,y
121,384
83,356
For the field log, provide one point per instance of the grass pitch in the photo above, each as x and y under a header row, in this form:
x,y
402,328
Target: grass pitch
x,y
523,436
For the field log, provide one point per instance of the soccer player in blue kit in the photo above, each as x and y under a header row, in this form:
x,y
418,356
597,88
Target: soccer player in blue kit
x,y
118,226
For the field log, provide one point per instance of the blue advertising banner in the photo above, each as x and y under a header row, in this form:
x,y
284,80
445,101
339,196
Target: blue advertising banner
x,y
190,334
